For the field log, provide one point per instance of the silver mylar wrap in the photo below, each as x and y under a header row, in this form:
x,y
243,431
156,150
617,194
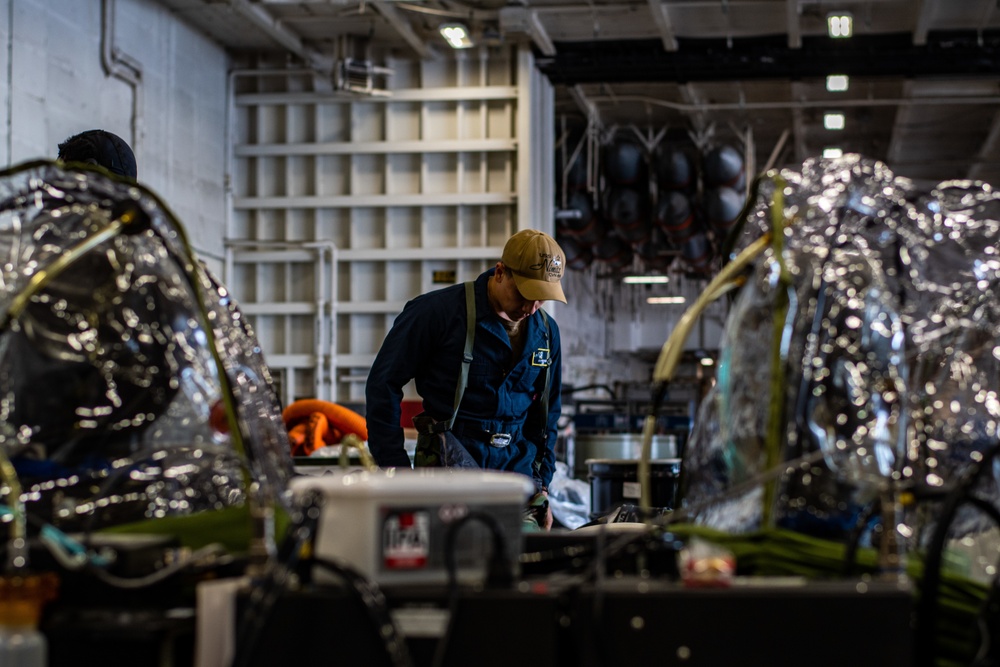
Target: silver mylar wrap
x,y
889,355
112,403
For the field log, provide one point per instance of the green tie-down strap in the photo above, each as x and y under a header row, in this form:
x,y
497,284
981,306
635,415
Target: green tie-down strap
x,y
232,527
470,340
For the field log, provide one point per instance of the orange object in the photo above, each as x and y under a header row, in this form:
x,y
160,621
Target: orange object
x,y
217,418
312,422
23,596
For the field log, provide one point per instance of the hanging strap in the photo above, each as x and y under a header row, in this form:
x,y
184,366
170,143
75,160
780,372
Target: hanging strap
x,y
470,339
540,453
548,375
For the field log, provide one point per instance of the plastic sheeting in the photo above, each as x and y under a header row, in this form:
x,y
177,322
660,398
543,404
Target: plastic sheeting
x,y
871,349
130,385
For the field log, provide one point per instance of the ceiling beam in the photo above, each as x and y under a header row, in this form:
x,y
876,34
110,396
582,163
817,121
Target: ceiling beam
x,y
539,35
792,21
988,7
799,148
923,22
402,27
987,154
307,2
898,140
588,108
661,15
514,20
868,102
696,103
770,58
264,21
776,152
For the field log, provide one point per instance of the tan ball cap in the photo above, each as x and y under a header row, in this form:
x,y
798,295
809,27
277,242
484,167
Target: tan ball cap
x,y
536,262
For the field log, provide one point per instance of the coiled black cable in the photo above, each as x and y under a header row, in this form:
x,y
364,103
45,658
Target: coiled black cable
x,y
275,581
305,523
927,606
375,606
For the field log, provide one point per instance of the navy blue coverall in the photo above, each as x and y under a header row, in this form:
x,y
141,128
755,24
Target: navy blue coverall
x,y
503,395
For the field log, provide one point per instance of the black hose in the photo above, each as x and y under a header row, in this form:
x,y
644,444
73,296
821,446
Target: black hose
x,y
989,625
853,540
498,573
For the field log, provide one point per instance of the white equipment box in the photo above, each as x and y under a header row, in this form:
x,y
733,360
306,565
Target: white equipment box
x,y
392,525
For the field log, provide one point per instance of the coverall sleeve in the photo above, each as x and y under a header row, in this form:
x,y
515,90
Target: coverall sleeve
x,y
397,362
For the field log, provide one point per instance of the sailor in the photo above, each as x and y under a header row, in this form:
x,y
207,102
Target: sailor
x,y
100,148
485,359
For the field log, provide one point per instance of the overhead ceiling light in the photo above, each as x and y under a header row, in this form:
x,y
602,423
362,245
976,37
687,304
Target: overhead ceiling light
x,y
457,35
833,121
665,299
839,25
837,83
833,152
645,280
704,358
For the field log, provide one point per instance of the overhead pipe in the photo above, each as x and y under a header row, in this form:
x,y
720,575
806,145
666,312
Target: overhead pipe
x,y
326,327
122,67
795,104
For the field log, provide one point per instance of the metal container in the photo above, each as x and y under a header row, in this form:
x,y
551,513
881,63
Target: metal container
x,y
617,446
616,482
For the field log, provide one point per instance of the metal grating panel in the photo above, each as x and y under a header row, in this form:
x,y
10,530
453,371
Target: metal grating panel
x,y
344,207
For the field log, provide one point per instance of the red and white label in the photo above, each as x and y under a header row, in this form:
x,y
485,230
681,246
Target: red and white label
x,y
406,540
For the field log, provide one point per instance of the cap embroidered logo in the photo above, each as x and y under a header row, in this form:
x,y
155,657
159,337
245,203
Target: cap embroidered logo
x,y
550,267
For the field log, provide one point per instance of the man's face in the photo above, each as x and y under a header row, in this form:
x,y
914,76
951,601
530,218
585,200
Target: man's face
x,y
511,306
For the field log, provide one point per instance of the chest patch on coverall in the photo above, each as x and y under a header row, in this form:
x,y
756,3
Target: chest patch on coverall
x,y
540,357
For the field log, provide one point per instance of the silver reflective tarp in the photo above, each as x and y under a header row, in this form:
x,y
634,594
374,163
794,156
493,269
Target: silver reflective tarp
x,y
872,349
130,385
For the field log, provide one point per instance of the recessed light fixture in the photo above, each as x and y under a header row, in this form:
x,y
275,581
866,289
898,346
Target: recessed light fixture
x,y
833,152
839,25
645,280
665,299
707,361
837,83
833,121
457,35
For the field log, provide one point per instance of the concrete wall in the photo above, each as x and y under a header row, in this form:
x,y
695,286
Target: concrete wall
x,y
611,335
53,85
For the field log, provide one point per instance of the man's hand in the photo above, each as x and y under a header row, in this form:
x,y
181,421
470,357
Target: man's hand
x,y
547,524
539,511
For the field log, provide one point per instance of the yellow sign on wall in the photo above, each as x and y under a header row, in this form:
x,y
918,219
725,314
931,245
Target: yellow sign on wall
x,y
444,277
